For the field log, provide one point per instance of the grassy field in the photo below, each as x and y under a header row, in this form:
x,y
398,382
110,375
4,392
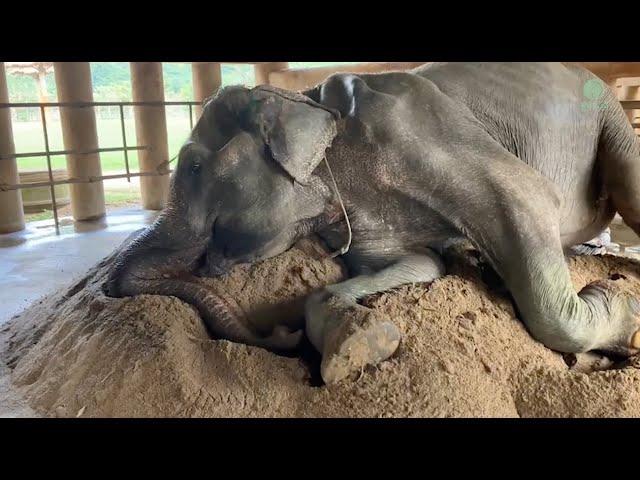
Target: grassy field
x,y
29,138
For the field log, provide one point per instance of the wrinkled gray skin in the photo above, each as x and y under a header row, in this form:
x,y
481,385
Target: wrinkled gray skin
x,y
511,156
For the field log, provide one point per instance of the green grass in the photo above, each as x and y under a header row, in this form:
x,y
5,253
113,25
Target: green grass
x,y
29,138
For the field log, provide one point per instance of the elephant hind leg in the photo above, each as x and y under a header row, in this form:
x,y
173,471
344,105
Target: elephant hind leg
x,y
517,227
599,317
532,263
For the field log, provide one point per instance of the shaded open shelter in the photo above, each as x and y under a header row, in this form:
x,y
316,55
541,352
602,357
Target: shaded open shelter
x,y
85,178
37,70
129,356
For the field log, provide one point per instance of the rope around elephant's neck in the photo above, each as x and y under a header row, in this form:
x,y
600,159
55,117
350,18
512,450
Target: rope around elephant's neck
x,y
347,245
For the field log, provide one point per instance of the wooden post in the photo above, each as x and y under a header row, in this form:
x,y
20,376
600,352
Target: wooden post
x,y
79,133
629,89
303,78
11,214
262,71
207,78
151,131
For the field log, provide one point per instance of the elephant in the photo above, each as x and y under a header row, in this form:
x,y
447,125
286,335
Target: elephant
x,y
523,160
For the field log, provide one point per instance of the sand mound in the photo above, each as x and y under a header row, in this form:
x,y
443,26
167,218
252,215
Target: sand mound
x,y
463,353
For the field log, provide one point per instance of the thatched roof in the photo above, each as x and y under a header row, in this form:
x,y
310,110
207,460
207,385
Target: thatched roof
x,y
28,68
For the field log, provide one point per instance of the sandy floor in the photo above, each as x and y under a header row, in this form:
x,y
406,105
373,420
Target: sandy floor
x,y
463,353
36,261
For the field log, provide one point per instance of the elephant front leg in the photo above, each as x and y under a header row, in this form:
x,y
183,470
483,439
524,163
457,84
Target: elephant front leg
x,y
351,336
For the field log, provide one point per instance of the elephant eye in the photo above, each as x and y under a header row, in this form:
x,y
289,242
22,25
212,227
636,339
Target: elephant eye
x,y
195,168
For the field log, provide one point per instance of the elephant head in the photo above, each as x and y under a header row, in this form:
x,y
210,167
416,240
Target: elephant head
x,y
242,191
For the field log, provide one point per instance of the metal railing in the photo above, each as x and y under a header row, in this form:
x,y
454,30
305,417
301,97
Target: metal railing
x,y
161,169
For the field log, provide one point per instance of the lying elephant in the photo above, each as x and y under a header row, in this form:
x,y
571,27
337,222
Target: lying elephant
x,y
523,160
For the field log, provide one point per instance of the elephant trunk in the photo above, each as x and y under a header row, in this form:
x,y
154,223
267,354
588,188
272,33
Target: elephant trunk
x,y
166,248
159,261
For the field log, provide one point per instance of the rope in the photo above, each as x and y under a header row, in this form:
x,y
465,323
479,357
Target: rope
x,y
347,245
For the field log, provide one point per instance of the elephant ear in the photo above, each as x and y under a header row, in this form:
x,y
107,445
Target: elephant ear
x,y
296,129
219,121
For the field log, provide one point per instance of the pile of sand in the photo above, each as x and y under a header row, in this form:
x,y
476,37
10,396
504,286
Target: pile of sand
x,y
463,353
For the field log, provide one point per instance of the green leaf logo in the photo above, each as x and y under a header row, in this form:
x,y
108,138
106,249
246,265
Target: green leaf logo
x,y
593,89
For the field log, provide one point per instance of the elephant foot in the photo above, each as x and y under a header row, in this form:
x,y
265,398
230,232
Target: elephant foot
x,y
357,341
623,327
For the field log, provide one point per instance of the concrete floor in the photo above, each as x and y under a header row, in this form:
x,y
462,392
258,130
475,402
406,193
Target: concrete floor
x,y
36,261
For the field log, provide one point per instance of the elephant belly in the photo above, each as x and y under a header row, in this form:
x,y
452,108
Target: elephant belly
x,y
537,112
586,210
582,224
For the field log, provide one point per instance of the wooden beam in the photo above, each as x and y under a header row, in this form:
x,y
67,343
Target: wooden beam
x,y
80,134
11,213
629,82
207,78
262,71
628,88
608,71
151,131
305,78
630,104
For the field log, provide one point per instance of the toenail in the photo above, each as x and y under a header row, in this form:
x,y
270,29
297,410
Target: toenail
x,y
635,340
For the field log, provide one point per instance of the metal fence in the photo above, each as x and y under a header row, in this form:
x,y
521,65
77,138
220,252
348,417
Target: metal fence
x,y
161,169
